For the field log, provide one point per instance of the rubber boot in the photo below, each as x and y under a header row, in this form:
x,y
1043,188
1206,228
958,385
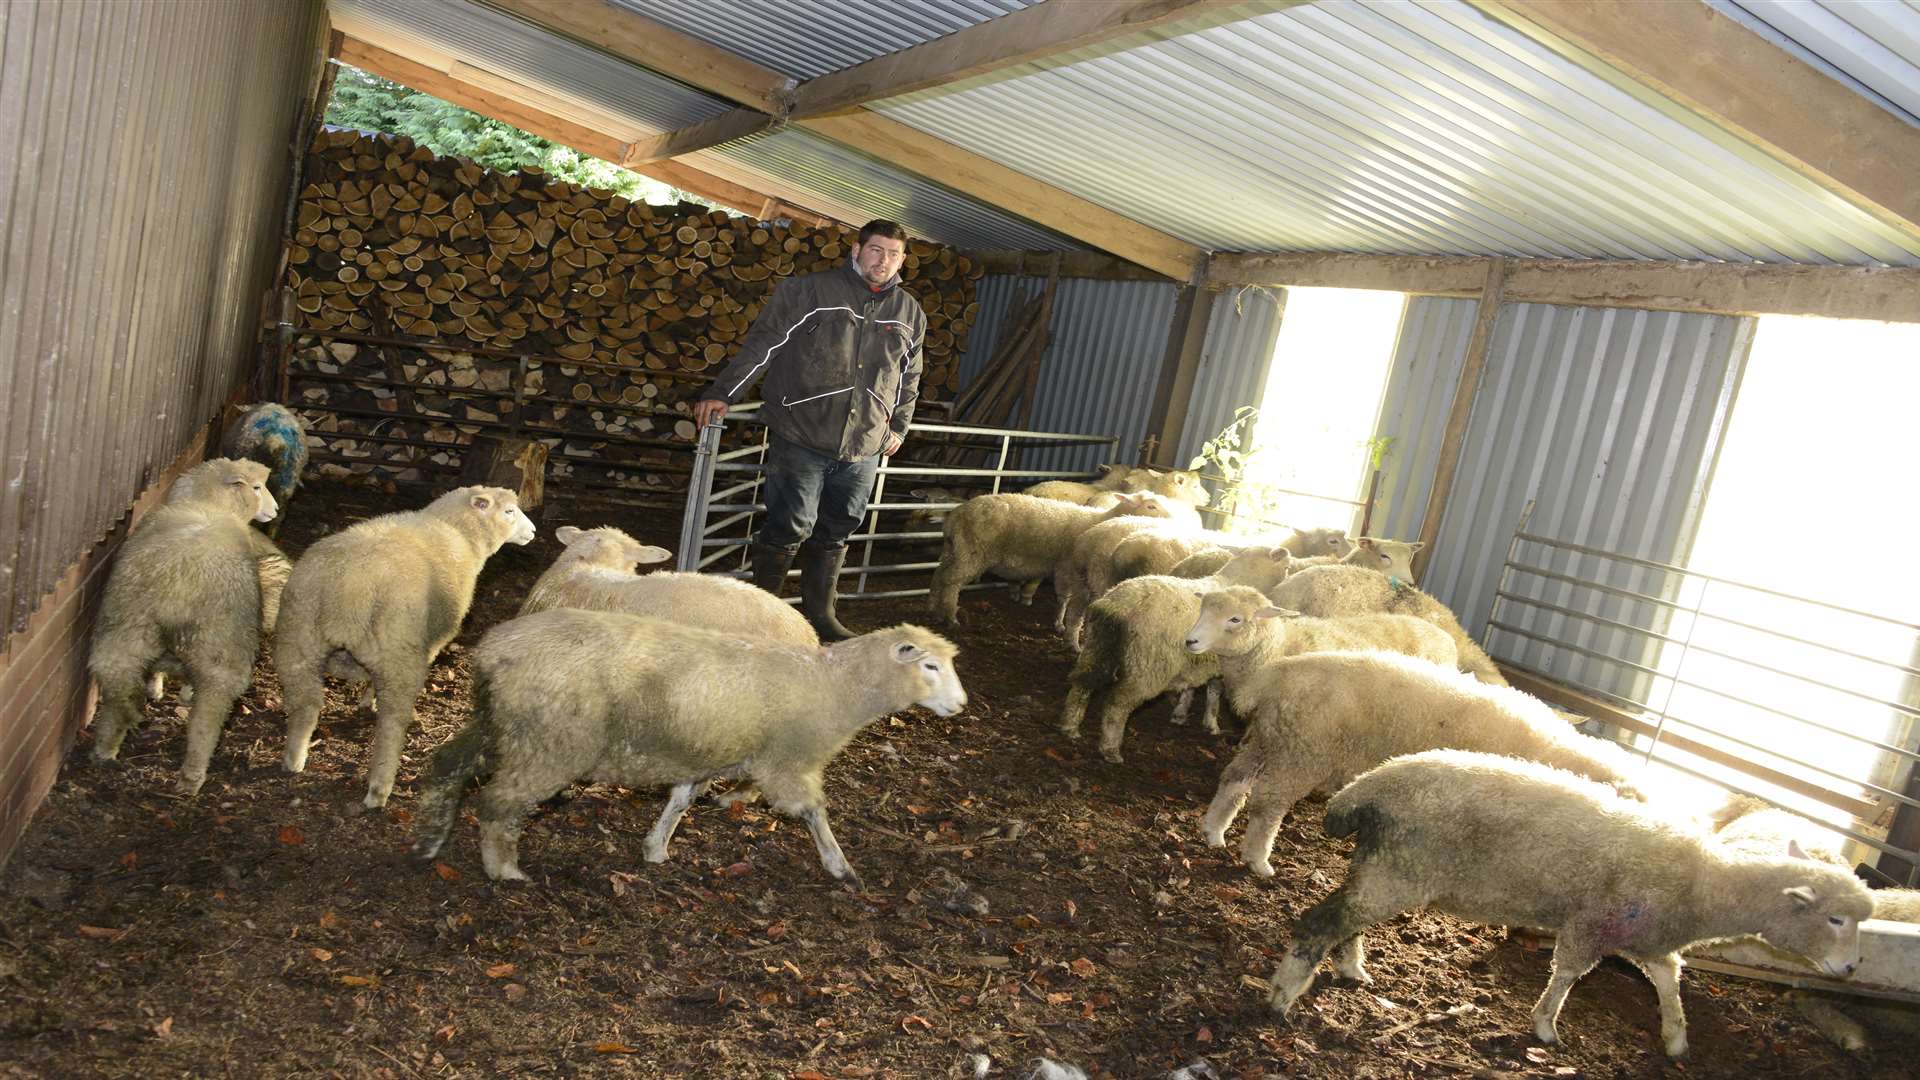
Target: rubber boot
x,y
819,573
770,566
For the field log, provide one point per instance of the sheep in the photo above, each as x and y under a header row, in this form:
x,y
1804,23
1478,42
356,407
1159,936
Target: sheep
x,y
1320,719
1247,633
564,694
1493,839
1113,477
1307,545
377,602
185,597
274,436
1094,547
1019,538
1134,651
1332,591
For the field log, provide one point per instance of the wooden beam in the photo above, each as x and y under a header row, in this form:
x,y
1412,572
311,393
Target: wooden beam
x,y
728,126
1890,294
427,80
727,193
1186,338
1016,192
618,32
1096,265
1455,435
1021,37
1694,55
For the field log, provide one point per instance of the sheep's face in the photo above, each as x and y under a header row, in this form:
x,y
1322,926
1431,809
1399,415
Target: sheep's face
x,y
241,485
1140,504
929,657
1311,542
930,518
1820,919
1393,558
1113,477
1181,486
608,547
1225,616
500,509
1258,568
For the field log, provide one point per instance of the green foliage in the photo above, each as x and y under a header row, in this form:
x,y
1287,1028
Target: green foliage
x,y
1227,459
369,103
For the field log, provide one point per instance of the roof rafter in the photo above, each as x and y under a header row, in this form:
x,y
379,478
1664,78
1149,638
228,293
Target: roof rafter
x,y
643,42
1707,62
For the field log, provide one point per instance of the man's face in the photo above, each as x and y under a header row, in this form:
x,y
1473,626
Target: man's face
x,y
879,259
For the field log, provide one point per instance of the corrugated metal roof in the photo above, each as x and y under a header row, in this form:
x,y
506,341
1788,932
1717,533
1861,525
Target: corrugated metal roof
x,y
1409,128
501,45
863,188
1875,45
807,38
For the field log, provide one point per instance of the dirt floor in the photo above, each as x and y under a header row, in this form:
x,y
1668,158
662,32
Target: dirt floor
x,y
1024,899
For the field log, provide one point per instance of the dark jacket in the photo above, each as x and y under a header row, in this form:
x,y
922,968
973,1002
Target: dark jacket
x,y
841,362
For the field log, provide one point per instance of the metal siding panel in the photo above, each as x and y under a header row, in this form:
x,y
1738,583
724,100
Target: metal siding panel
x,y
1416,128
1431,349
808,38
131,282
1234,363
1605,418
998,295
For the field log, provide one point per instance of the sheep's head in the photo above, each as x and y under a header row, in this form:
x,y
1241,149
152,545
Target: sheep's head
x,y
1113,476
929,657
226,482
1818,916
608,548
1180,485
1393,558
1225,617
498,510
1258,567
1308,543
1140,504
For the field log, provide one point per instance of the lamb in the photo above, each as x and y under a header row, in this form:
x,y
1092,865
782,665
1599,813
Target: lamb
x,y
1134,650
1113,477
566,694
1493,839
185,597
377,602
1019,538
1332,591
1094,547
1247,633
1307,545
595,573
1322,718
276,437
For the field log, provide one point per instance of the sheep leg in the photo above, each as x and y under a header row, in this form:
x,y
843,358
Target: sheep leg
x,y
1075,710
1210,720
502,807
211,705
1266,809
1572,958
1334,921
121,705
1122,699
831,856
301,693
1028,590
1182,708
1842,1030
1236,783
157,686
396,691
943,595
1350,960
654,850
1664,973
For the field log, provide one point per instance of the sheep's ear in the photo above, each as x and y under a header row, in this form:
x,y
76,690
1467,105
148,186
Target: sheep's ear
x,y
1366,542
647,553
1800,895
1416,546
1795,851
482,501
922,493
1280,555
906,652
566,534
1276,613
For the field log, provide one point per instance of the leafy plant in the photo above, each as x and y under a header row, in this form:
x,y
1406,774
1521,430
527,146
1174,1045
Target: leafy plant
x,y
1228,459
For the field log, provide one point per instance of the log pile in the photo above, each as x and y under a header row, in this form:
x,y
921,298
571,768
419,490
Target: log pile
x,y
430,290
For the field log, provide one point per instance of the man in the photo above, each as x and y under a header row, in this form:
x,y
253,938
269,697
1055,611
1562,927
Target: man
x,y
840,352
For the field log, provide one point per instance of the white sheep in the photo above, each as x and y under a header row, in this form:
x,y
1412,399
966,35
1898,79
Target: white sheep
x,y
1020,538
1134,648
1320,719
377,602
596,573
1113,478
1308,546
566,695
185,597
1496,840
1334,591
1241,627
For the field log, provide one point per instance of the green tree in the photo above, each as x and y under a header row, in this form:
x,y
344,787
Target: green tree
x,y
370,103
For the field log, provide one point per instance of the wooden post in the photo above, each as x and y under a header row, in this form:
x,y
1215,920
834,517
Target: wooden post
x,y
1456,433
1185,339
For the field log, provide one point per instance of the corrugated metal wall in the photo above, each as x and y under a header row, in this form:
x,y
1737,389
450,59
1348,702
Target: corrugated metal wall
x,y
1233,364
1413,410
1607,418
1100,369
143,169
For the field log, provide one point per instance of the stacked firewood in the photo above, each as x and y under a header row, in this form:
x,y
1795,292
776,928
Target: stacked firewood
x,y
434,300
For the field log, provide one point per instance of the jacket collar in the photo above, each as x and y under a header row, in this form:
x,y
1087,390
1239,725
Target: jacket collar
x,y
860,282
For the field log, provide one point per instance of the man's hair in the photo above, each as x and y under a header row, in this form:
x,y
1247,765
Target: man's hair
x,y
892,230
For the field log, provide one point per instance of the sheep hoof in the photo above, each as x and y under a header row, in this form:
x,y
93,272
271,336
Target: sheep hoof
x,y
1544,1034
375,800
188,786
852,881
653,853
1677,1047
1263,868
1112,754
1068,732
510,872
1214,837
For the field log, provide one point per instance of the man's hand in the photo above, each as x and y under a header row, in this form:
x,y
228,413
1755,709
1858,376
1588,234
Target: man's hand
x,y
893,443
708,411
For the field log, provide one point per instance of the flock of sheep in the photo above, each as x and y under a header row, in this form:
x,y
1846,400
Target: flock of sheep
x,y
1460,793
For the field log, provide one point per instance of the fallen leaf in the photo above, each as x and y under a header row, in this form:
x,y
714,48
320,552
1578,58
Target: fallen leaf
x,y
360,980
163,1029
1073,909
767,997
1055,755
1086,1010
809,1074
130,859
291,835
329,921
737,810
321,955
400,815
1227,892
99,932
1083,967
1059,999
445,1034
909,1022
614,1048
447,873
1205,1034
916,810
501,971
1538,1054
777,931
515,991
739,869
